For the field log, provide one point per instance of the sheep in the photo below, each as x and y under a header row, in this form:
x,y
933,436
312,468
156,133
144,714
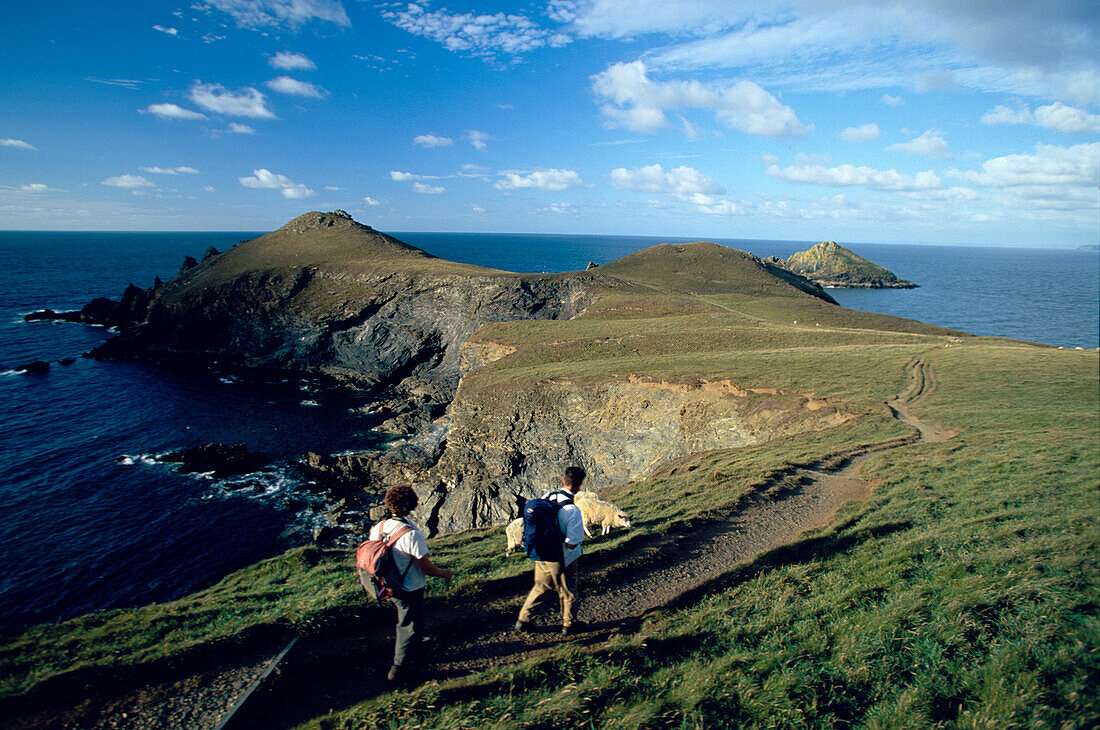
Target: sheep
x,y
514,533
596,511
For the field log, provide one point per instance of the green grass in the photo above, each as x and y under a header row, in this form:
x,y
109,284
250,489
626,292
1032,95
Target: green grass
x,y
965,593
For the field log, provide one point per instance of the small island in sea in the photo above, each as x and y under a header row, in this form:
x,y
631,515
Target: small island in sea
x,y
833,513
831,265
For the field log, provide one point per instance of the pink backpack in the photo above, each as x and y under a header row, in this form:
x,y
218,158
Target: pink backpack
x,y
376,567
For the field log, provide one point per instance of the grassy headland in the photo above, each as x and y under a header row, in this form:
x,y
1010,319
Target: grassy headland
x,y
964,593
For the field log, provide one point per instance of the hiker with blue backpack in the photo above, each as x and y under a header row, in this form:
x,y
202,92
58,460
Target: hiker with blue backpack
x,y
393,565
553,530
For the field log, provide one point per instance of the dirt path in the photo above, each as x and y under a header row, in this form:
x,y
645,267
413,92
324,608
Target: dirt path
x,y
345,664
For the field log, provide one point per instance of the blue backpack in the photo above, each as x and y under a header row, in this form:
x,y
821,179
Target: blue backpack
x,y
542,536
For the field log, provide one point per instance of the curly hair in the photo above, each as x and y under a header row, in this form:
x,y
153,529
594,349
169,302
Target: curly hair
x,y
401,500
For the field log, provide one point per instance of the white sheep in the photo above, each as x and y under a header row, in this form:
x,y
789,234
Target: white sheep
x,y
596,511
514,533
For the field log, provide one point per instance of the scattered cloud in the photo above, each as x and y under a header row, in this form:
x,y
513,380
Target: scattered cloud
x,y
171,111
1032,47
653,179
852,176
551,179
685,184
292,14
889,100
34,188
287,61
929,144
864,133
17,144
1057,116
479,35
182,169
398,176
247,102
426,189
294,87
128,181
169,31
478,139
431,140
639,103
266,180
371,201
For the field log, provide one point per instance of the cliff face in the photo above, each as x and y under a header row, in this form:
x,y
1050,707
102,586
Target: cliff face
x,y
830,264
325,294
506,445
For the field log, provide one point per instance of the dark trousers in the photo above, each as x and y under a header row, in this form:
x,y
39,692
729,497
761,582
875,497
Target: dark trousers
x,y
410,625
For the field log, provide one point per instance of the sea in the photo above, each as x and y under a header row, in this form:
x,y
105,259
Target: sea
x,y
90,520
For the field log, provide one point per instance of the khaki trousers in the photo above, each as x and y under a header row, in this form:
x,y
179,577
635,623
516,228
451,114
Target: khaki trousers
x,y
557,578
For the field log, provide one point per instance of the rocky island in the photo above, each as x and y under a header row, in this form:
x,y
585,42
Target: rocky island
x,y
831,265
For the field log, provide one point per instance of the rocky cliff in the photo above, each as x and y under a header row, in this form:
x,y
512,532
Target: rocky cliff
x,y
830,264
505,378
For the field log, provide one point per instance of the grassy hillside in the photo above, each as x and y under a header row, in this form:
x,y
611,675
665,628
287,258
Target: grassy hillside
x,y
964,593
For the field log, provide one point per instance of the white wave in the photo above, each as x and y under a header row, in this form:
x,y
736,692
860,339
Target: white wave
x,y
311,403
132,459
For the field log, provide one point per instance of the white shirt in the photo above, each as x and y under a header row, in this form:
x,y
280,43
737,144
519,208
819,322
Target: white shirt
x,y
571,524
409,548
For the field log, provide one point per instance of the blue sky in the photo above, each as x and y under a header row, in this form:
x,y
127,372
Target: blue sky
x,y
931,121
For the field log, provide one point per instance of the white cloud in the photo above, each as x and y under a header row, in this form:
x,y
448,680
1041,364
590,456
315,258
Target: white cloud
x,y
266,180
425,189
247,102
685,184
287,61
431,140
237,128
34,188
1057,116
639,103
863,133
478,139
293,14
128,181
172,111
889,100
398,176
171,170
551,179
478,35
371,201
852,176
294,87
1035,47
477,209
169,31
17,144
653,179
1077,166
929,144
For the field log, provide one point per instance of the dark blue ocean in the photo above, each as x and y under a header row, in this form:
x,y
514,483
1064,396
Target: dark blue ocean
x,y
89,521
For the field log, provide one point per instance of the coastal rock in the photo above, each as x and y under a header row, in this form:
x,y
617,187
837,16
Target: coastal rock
x,y
223,460
832,265
130,309
38,367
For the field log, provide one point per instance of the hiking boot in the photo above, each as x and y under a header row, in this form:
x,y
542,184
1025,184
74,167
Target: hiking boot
x,y
394,674
523,627
572,629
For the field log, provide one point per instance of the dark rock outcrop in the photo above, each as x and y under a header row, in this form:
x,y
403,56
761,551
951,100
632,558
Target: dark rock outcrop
x,y
38,367
223,460
131,309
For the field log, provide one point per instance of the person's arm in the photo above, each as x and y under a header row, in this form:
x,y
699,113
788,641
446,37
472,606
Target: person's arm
x,y
431,569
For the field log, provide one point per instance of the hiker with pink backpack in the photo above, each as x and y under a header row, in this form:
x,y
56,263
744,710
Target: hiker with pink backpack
x,y
393,566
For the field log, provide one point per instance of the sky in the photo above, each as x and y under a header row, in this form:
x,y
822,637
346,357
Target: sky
x,y
928,121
